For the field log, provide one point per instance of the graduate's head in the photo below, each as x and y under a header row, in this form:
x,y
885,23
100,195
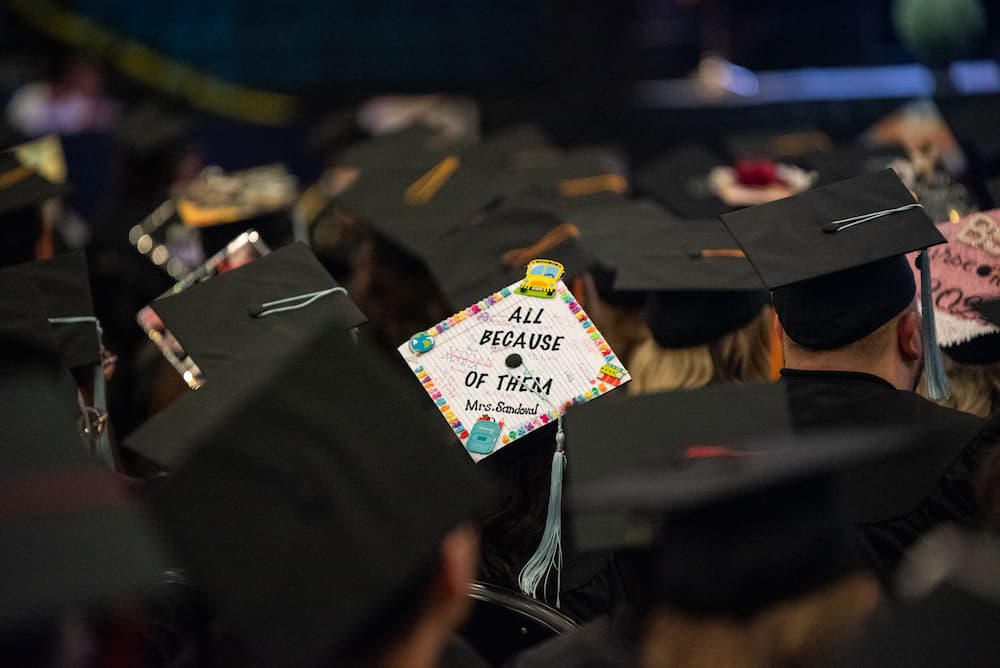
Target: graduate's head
x,y
842,285
738,356
706,309
860,319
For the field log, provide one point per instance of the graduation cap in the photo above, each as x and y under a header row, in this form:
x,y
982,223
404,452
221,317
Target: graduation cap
x,y
655,431
737,516
220,205
415,206
21,185
299,469
73,537
678,179
967,274
700,284
517,146
698,183
491,250
834,258
267,299
510,364
568,177
63,285
612,228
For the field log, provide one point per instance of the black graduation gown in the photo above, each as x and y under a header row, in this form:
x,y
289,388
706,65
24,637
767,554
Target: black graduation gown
x,y
895,503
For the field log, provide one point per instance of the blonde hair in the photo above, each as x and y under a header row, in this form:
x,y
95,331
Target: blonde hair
x,y
743,355
975,388
786,634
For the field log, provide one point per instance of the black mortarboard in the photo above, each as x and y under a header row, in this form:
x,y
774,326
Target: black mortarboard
x,y
700,284
22,186
311,475
570,177
834,257
652,431
491,251
612,228
72,539
267,299
678,179
735,524
414,206
64,286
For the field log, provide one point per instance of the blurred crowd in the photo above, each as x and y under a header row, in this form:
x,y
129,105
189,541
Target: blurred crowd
x,y
224,447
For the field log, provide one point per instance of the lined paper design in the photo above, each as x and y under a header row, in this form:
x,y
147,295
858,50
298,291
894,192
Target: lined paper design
x,y
467,376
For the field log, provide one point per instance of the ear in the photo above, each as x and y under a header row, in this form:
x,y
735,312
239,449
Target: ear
x,y
459,560
908,337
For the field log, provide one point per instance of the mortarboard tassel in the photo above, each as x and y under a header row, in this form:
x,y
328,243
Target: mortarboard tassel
x,y
937,379
102,442
549,554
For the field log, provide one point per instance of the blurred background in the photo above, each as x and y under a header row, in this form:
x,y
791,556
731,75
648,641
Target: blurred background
x,y
268,73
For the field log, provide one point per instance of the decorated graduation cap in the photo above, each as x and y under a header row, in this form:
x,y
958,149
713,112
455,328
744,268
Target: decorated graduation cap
x,y
696,182
73,537
510,364
834,258
735,519
966,274
63,286
700,284
276,485
268,298
221,205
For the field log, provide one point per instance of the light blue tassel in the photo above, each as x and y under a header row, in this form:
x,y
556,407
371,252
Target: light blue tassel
x,y
102,445
937,379
549,555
